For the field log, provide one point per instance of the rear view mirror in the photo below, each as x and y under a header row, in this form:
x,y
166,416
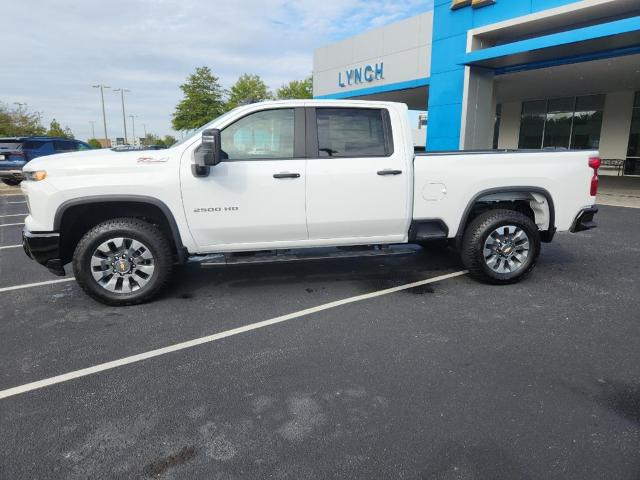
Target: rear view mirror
x,y
208,153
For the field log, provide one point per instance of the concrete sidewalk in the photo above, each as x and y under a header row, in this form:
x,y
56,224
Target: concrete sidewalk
x,y
619,191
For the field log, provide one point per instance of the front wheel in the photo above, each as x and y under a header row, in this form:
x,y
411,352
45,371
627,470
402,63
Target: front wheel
x,y
500,246
124,261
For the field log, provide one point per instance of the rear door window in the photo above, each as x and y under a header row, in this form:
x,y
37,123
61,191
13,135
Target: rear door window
x,y
62,146
37,148
353,132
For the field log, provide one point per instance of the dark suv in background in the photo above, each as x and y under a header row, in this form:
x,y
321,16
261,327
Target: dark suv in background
x,y
15,152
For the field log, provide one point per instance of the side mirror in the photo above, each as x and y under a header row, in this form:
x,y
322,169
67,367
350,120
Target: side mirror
x,y
208,153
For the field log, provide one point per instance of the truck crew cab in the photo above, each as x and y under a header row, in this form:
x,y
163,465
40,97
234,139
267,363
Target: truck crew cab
x,y
283,179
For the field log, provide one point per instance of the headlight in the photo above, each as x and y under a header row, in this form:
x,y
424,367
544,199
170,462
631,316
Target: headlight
x,y
35,176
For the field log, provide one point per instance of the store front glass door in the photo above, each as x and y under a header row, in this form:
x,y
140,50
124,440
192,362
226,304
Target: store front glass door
x,y
632,165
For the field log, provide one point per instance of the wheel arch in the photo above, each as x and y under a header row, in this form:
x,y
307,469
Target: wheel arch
x,y
70,217
513,194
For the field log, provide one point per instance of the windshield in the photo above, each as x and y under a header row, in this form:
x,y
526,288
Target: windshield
x,y
204,127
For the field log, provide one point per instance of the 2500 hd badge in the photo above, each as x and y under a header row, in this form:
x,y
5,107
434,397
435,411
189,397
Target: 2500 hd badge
x,y
215,209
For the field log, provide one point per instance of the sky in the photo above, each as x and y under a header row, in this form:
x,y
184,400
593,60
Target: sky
x,y
54,51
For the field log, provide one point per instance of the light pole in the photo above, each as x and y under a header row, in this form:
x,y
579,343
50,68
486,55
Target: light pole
x,y
104,115
124,117
133,127
93,128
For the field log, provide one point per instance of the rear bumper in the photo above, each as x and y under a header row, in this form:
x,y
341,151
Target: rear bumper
x,y
44,248
17,174
584,220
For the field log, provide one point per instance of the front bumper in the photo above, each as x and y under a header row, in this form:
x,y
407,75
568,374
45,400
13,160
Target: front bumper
x,y
14,174
44,248
584,220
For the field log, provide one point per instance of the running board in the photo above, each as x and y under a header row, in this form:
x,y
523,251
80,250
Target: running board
x,y
301,254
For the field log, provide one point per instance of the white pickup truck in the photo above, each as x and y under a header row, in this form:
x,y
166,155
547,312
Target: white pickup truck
x,y
285,180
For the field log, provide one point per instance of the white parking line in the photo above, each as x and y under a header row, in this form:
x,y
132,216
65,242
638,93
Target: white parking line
x,y
212,338
37,284
15,215
6,247
10,224
15,203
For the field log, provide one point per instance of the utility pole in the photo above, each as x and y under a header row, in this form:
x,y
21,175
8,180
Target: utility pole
x,y
104,115
133,126
93,128
124,116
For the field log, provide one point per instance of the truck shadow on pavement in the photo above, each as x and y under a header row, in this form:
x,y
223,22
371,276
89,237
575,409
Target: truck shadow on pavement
x,y
369,273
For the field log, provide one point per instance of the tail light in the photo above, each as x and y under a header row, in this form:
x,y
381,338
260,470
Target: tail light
x,y
594,162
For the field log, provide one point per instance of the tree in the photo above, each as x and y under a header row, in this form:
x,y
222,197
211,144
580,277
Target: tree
x,y
296,89
94,143
203,100
169,140
56,130
248,89
19,122
152,139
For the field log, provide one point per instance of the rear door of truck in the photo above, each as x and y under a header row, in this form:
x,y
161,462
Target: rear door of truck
x,y
357,177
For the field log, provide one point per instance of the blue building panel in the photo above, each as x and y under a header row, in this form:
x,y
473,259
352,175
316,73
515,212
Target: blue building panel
x,y
592,32
444,133
445,88
450,29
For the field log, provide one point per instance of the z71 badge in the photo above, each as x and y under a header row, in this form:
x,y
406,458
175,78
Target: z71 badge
x,y
215,209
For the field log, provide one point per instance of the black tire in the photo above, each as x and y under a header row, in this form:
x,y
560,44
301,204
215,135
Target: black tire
x,y
129,228
476,234
13,182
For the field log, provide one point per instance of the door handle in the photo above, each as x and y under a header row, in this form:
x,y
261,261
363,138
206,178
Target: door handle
x,y
286,175
390,172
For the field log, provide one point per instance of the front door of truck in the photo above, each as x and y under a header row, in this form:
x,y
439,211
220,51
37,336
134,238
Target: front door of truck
x,y
357,184
256,195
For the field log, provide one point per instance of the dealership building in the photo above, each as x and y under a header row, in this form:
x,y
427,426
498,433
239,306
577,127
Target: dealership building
x,y
504,74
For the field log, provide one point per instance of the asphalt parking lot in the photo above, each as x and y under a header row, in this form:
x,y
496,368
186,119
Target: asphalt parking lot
x,y
446,380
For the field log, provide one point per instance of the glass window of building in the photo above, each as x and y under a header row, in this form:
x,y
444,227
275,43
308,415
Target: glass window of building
x,y
496,125
532,124
587,122
570,122
557,128
632,165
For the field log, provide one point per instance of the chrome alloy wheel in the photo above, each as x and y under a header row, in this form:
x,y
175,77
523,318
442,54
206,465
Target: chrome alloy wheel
x,y
506,249
122,265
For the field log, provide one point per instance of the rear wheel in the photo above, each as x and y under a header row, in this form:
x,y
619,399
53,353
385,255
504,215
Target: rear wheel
x,y
124,261
11,181
500,246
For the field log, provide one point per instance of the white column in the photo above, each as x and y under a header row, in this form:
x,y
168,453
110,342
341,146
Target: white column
x,y
510,125
478,109
616,123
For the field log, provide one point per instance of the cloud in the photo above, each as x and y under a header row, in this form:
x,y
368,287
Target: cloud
x,y
53,50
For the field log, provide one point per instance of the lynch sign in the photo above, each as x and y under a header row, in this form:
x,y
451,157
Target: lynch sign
x,y
360,75
456,4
